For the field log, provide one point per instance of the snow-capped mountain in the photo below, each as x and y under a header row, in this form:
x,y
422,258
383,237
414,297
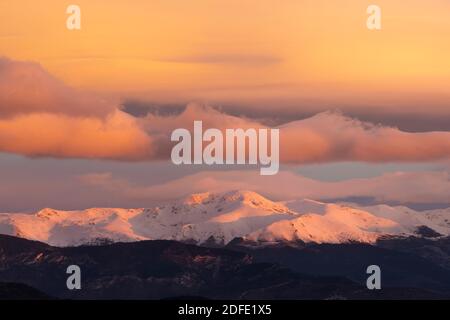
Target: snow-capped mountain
x,y
221,218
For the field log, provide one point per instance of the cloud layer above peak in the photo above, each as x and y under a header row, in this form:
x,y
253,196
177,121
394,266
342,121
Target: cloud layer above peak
x,y
40,116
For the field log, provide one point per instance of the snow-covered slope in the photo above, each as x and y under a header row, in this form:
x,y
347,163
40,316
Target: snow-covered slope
x,y
65,228
335,224
221,218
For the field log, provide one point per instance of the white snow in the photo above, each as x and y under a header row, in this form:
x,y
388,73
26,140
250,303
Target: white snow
x,y
223,217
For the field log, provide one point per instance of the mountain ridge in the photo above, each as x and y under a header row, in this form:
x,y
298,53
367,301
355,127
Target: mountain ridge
x,y
163,269
221,217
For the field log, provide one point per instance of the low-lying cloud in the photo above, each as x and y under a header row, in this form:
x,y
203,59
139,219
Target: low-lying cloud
x,y
422,187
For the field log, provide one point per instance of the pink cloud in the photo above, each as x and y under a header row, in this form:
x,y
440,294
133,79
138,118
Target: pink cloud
x,y
118,136
41,116
26,87
334,137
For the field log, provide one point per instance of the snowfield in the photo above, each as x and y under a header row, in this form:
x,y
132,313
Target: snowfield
x,y
222,217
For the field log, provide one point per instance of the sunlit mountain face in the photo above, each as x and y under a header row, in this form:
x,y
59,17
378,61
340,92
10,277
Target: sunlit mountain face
x,y
218,219
300,142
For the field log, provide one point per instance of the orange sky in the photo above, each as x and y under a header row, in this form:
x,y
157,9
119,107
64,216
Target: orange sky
x,y
239,50
273,54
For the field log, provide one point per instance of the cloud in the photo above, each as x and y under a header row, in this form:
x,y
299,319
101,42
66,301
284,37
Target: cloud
x,y
422,187
331,136
326,137
26,87
118,136
41,116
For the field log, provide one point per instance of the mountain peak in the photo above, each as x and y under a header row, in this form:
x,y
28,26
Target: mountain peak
x,y
242,197
223,217
197,198
47,213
